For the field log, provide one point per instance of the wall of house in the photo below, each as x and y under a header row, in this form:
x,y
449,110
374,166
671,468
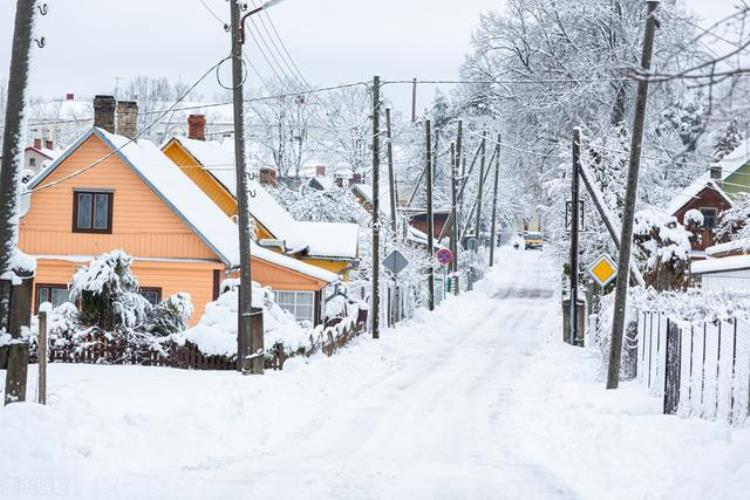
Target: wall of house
x,y
204,180
195,278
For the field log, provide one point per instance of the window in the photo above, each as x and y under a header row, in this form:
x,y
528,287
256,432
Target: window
x,y
151,294
300,304
709,218
32,162
92,212
55,294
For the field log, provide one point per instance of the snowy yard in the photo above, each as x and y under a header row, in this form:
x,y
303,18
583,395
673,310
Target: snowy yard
x,y
478,400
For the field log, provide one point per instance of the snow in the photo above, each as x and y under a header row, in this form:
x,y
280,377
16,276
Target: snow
x,y
479,399
731,263
216,332
330,239
740,245
693,216
214,157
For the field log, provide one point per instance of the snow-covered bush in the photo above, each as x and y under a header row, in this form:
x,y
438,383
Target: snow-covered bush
x,y
169,316
107,291
663,246
734,221
216,331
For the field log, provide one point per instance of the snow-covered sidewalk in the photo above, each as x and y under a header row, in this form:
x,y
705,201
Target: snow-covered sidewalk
x,y
477,400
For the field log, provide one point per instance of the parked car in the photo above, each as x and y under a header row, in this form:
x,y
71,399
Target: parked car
x,y
533,239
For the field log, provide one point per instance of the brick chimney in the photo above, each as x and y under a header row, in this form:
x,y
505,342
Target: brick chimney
x,y
197,127
127,119
37,143
70,96
104,113
356,178
267,176
49,144
320,171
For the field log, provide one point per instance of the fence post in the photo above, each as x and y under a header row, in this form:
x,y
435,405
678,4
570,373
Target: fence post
x,y
42,355
630,354
673,369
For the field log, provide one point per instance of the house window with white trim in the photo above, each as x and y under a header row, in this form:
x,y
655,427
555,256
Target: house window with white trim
x,y
709,217
300,304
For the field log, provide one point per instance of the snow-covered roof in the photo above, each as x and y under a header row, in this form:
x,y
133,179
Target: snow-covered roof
x,y
327,240
729,165
217,158
741,245
733,263
181,194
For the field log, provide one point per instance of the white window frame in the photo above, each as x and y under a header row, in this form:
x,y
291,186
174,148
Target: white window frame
x,y
295,306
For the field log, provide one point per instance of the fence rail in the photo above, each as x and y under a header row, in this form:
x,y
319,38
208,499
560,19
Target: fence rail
x,y
700,369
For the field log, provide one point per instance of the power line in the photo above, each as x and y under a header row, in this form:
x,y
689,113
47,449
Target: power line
x,y
213,14
130,140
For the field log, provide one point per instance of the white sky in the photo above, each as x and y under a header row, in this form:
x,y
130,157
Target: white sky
x,y
91,42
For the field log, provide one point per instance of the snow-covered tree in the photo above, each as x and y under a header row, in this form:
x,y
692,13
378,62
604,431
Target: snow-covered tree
x,y
107,292
729,139
662,245
169,316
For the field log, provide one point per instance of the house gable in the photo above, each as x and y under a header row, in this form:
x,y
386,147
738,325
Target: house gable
x,y
142,223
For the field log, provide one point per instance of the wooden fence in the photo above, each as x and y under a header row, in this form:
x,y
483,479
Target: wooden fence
x,y
698,369
99,349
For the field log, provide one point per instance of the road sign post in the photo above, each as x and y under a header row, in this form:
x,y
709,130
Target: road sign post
x,y
395,262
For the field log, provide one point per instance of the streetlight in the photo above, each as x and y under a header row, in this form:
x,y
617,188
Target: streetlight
x,y
249,343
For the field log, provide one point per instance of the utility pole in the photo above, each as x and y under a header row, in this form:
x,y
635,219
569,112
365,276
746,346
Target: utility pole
x,y
574,217
460,174
430,217
481,186
245,311
375,308
391,174
454,220
626,238
494,202
414,101
10,177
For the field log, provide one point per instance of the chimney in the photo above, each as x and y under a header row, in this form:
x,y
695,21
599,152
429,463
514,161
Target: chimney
x,y
70,96
267,176
339,181
104,113
127,119
320,171
716,174
197,127
49,143
357,179
37,143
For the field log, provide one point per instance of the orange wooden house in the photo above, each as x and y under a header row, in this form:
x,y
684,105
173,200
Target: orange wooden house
x,y
107,192
330,246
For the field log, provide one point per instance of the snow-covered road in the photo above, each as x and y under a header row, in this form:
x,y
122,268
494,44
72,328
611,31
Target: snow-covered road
x,y
479,399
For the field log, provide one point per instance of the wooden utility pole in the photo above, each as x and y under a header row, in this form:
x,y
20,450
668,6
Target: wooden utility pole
x,y
494,201
42,351
454,220
626,237
574,217
375,307
414,101
10,178
391,173
430,217
481,186
245,310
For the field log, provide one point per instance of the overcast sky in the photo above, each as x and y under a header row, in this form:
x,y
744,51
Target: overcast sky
x,y
91,42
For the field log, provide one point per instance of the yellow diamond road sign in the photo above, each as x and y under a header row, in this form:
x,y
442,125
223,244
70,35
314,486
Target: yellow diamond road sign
x,y
603,270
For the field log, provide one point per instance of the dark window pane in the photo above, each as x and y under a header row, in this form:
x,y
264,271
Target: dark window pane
x,y
152,296
84,211
43,294
59,296
709,218
101,211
